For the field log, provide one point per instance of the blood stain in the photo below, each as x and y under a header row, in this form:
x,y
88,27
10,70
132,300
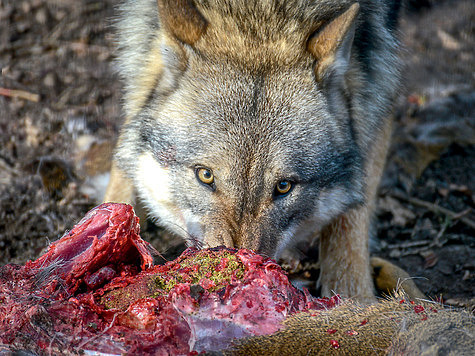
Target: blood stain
x,y
335,344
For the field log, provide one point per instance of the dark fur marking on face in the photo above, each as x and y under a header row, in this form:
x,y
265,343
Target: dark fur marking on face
x,y
257,94
285,223
159,94
299,208
153,136
331,169
152,95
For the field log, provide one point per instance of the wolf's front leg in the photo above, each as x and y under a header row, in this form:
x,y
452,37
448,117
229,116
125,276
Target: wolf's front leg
x,y
344,257
344,244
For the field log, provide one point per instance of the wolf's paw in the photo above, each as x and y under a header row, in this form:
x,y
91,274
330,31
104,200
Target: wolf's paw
x,y
389,278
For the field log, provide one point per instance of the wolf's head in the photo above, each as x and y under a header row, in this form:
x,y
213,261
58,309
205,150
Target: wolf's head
x,y
246,133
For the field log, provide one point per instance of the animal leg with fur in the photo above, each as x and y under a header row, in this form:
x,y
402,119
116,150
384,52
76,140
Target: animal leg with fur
x,y
344,244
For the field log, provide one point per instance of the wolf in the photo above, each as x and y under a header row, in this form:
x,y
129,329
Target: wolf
x,y
256,124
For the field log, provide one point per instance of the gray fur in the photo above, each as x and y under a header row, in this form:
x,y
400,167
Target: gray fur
x,y
244,101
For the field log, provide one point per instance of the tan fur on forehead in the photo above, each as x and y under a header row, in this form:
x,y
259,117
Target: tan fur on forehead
x,y
272,31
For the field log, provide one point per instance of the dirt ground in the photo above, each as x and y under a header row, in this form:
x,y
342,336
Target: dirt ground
x,y
60,114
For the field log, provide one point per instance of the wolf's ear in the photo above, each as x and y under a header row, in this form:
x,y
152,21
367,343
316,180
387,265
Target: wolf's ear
x,y
332,42
182,20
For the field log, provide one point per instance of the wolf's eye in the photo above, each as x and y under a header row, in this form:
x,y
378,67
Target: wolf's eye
x,y
205,176
282,188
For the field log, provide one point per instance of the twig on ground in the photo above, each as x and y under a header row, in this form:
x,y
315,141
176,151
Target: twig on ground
x,y
410,244
414,251
436,209
437,239
22,94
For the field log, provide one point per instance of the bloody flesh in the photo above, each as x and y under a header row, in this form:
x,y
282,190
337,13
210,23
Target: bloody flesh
x,y
97,290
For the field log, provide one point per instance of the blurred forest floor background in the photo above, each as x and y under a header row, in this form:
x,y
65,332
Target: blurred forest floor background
x,y
60,114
